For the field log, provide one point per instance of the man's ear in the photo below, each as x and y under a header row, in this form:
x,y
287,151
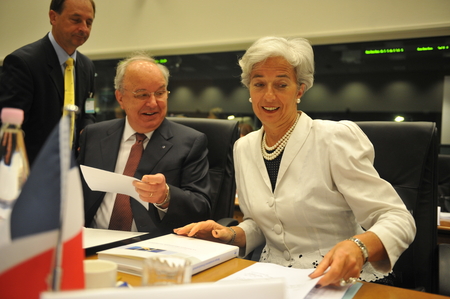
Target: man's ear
x,y
119,98
52,15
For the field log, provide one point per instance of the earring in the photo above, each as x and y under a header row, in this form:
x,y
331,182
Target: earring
x,y
250,100
298,101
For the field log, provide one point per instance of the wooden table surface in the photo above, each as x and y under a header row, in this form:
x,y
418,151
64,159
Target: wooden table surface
x,y
444,225
367,291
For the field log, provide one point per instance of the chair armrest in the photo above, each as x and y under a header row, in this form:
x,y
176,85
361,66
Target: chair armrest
x,y
444,269
228,222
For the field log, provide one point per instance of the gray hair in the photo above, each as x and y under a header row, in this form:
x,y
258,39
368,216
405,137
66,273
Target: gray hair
x,y
297,51
139,56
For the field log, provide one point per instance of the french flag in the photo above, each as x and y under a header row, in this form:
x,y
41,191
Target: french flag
x,y
44,251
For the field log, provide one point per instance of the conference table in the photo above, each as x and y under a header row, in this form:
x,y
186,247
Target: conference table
x,y
444,232
367,290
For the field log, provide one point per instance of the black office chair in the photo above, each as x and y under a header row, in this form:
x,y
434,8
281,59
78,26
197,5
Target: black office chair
x,y
444,202
444,182
406,156
221,137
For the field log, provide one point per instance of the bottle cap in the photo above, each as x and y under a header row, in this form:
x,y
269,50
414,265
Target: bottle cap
x,y
12,116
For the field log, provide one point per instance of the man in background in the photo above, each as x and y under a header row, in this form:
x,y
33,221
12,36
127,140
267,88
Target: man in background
x,y
172,163
33,76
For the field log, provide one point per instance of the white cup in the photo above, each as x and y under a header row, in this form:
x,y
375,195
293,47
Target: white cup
x,y
166,270
99,274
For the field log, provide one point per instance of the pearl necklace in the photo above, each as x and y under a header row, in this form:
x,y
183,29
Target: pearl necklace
x,y
279,146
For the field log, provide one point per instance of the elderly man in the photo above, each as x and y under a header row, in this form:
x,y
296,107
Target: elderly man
x,y
33,76
174,187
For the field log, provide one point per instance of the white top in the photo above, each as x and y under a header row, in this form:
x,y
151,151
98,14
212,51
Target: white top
x,y
327,188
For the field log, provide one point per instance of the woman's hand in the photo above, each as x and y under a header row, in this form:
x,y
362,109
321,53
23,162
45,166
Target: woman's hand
x,y
345,260
208,230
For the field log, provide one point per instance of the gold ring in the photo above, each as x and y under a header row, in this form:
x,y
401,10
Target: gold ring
x,y
151,194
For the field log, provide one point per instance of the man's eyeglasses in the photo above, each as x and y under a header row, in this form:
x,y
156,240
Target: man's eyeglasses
x,y
144,95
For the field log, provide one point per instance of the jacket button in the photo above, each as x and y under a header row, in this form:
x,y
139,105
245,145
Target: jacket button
x,y
278,229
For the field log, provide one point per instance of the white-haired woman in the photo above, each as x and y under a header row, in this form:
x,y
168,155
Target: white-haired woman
x,y
308,188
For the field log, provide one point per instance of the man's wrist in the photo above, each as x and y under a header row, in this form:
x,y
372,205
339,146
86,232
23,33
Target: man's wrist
x,y
166,199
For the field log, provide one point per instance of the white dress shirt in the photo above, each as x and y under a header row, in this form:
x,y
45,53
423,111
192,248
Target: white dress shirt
x,y
103,216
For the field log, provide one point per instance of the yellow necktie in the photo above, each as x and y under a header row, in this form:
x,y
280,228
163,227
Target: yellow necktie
x,y
69,95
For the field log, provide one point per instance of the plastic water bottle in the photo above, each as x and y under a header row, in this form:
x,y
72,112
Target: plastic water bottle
x,y
14,167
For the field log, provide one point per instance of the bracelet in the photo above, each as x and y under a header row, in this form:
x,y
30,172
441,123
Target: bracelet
x,y
166,199
363,248
233,237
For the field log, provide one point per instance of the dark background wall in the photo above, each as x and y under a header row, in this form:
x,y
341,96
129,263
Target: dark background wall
x,y
349,83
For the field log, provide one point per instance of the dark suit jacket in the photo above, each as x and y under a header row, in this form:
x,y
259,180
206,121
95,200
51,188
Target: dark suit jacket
x,y
32,80
178,152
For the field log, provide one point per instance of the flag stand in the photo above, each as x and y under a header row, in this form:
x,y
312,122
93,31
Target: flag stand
x,y
65,146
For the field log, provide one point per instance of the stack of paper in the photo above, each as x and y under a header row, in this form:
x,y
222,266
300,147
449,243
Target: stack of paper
x,y
297,282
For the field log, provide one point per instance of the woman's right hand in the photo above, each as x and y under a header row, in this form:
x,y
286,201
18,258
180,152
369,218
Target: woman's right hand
x,y
208,230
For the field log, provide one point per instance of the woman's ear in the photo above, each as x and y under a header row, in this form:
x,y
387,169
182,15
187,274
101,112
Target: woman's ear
x,y
301,91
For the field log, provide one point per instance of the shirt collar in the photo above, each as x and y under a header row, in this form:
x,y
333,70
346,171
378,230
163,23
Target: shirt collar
x,y
128,131
62,55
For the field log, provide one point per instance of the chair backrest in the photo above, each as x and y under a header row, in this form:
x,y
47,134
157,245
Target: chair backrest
x,y
444,182
221,136
406,156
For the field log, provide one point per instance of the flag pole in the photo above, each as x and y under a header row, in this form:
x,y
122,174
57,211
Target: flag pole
x,y
65,147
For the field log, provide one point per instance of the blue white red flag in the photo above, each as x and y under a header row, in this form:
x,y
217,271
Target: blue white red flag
x,y
45,250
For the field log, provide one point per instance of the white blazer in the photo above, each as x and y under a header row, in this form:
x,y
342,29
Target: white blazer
x,y
326,190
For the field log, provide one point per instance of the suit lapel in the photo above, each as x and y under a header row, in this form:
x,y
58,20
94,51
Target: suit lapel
x,y
259,160
158,146
110,144
295,143
55,68
80,76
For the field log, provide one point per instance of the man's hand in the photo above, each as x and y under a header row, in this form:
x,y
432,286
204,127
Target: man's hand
x,y
152,188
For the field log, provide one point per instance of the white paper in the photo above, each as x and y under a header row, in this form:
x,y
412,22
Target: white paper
x,y
298,283
94,237
273,289
106,181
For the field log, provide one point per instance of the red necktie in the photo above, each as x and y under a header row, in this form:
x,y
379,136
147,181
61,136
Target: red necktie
x,y
122,216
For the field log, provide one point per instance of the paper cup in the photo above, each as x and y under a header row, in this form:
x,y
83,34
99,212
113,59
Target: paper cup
x,y
99,274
